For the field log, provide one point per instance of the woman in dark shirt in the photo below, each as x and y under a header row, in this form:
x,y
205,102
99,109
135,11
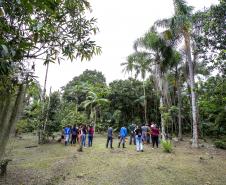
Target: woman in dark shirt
x,y
139,143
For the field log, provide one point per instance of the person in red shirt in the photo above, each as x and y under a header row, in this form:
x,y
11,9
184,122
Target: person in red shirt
x,y
155,136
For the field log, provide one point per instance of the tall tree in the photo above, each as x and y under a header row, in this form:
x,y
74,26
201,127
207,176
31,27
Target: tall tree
x,y
44,30
181,26
160,56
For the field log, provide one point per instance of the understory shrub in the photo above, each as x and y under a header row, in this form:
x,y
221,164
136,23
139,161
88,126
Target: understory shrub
x,y
220,144
167,146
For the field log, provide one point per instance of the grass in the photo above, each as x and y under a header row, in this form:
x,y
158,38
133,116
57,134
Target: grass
x,y
56,164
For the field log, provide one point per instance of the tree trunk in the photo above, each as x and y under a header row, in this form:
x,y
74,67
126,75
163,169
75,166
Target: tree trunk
x,y
45,82
47,114
162,120
192,86
41,130
9,123
179,111
145,103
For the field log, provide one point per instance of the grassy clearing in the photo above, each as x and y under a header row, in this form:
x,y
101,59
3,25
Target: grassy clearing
x,y
56,164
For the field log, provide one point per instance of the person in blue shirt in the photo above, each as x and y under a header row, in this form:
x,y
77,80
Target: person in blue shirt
x,y
123,134
67,132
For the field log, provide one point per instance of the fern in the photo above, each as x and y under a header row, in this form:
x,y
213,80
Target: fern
x,y
167,146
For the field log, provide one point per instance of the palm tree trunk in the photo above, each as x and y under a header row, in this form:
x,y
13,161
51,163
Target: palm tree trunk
x,y
192,86
179,111
161,103
162,120
145,103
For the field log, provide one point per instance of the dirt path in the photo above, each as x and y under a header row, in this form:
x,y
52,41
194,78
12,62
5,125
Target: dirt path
x,y
55,164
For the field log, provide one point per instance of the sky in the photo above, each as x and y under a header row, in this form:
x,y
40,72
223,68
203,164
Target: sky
x,y
120,22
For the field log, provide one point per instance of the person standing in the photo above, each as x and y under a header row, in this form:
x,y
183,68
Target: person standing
x,y
123,134
84,132
109,137
67,132
90,136
73,135
144,133
79,134
148,134
132,138
155,136
139,143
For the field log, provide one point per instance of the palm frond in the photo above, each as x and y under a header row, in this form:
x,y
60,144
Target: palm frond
x,y
181,7
163,23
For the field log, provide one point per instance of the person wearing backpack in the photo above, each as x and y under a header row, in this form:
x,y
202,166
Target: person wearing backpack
x,y
123,134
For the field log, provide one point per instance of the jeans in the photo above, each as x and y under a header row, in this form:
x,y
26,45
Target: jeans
x,y
144,137
139,143
132,138
83,139
67,137
90,140
122,139
109,139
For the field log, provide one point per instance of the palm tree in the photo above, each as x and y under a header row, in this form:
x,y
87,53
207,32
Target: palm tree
x,y
180,27
93,102
139,61
159,55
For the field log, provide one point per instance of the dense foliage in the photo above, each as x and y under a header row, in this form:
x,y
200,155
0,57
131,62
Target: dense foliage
x,y
182,89
30,31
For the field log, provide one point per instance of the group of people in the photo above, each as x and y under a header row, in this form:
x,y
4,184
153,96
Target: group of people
x,y
139,135
74,134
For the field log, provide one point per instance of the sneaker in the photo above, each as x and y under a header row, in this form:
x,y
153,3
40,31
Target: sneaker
x,y
142,150
152,148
